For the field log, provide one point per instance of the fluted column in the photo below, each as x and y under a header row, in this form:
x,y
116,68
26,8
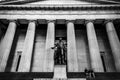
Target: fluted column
x,y
26,56
49,53
6,45
71,48
96,62
114,43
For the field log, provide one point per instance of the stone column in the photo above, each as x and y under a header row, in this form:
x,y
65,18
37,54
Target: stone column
x,y
49,53
6,45
114,43
96,62
0,33
26,56
71,48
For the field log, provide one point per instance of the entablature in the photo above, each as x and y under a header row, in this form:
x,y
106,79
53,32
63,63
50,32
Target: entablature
x,y
58,16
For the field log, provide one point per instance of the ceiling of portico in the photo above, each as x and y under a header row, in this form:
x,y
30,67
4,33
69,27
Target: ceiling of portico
x,y
27,2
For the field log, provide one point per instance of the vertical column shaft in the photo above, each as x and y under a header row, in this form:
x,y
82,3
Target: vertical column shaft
x,y
0,33
71,48
96,61
49,53
6,45
26,56
114,43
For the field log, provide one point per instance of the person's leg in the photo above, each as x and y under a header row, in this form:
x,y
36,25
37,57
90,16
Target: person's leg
x,y
59,56
65,56
55,57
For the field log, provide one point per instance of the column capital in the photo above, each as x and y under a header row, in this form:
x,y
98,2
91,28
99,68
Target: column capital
x,y
33,21
53,21
72,21
109,20
87,21
15,21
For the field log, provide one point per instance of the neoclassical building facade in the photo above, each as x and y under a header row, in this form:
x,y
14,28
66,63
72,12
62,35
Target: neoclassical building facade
x,y
29,30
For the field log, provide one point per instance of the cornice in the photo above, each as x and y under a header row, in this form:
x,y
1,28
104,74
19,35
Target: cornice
x,y
60,7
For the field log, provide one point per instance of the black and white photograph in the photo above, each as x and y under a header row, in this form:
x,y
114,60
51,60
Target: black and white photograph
x,y
59,39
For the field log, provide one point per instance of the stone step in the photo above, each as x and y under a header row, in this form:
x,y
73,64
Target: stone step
x,y
77,79
42,79
60,79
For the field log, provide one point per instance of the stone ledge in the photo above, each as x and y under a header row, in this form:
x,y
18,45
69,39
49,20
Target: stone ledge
x,y
46,75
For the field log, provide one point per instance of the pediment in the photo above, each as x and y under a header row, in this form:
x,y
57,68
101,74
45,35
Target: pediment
x,y
50,2
61,2
76,2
